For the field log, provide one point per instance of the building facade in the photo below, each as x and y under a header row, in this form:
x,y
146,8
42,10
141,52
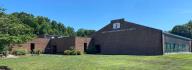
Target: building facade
x,y
59,45
118,37
176,44
54,45
122,37
35,44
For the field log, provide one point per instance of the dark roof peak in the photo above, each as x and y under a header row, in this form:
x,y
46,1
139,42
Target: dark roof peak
x,y
118,20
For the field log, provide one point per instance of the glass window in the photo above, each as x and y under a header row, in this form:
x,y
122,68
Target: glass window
x,y
116,25
167,47
186,48
173,47
183,48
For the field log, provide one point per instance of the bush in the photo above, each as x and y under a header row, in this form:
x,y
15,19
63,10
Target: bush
x,y
4,68
19,52
79,53
67,52
72,52
38,52
5,53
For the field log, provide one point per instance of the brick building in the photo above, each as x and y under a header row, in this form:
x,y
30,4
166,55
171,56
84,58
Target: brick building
x,y
122,37
54,44
36,44
59,45
118,37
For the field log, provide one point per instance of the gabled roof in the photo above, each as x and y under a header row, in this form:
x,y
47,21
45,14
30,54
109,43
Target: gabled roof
x,y
122,20
167,33
142,25
177,36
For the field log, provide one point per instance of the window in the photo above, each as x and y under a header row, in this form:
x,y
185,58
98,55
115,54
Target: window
x,y
166,47
116,25
175,47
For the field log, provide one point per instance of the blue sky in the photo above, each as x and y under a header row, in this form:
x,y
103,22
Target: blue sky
x,y
94,14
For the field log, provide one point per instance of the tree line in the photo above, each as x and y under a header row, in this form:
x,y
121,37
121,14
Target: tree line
x,y
20,27
44,26
184,30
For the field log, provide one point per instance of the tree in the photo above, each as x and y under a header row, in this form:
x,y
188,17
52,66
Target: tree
x,y
19,27
182,31
12,32
69,31
2,11
81,33
42,25
84,33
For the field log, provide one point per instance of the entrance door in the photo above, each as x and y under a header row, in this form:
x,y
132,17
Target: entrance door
x,y
32,47
54,49
85,47
98,48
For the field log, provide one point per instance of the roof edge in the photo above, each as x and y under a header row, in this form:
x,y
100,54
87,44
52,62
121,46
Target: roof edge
x,y
178,36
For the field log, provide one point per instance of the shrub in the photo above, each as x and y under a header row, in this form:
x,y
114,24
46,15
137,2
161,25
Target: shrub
x,y
71,48
19,52
38,52
79,52
67,52
72,52
5,53
4,68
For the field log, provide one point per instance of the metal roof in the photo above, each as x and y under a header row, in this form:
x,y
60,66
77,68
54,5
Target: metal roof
x,y
178,36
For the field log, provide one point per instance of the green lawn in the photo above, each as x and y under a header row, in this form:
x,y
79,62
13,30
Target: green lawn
x,y
100,62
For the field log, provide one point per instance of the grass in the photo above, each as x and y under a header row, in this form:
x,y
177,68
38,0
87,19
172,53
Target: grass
x,y
100,62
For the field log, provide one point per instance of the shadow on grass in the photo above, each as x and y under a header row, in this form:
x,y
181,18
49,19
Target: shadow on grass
x,y
4,68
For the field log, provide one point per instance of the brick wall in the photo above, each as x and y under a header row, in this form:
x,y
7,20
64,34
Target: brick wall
x,y
40,44
130,39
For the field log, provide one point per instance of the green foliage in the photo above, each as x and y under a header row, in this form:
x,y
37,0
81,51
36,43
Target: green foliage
x,y
5,68
79,53
69,31
38,52
13,31
67,52
72,51
20,27
43,25
183,30
2,48
19,52
72,48
85,33
2,11
5,53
